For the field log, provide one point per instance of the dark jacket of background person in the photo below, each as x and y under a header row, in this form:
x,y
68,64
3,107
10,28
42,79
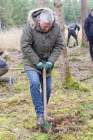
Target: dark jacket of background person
x,y
73,27
3,65
72,32
88,26
38,46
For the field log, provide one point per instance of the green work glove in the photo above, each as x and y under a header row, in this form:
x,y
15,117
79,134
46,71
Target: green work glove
x,y
48,65
40,66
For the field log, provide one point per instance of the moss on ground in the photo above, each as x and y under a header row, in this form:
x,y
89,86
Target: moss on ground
x,y
4,120
39,136
71,83
73,106
6,135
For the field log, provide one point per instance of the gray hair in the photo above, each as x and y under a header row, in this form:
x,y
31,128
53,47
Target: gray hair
x,y
47,15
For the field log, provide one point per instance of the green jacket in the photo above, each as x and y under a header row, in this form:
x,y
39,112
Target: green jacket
x,y
37,46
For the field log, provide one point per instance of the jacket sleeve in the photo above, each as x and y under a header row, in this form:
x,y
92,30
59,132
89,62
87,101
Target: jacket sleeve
x,y
26,45
86,27
59,44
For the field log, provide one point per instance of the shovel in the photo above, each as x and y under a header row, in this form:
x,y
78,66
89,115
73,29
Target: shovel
x,y
44,94
47,126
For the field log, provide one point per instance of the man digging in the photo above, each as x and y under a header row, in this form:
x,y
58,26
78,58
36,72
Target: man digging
x,y
41,45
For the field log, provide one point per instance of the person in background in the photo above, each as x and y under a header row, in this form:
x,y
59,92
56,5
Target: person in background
x,y
88,26
72,29
3,65
41,45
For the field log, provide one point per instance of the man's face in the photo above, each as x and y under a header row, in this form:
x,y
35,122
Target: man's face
x,y
45,26
92,13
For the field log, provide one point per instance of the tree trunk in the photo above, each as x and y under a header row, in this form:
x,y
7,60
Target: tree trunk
x,y
42,3
58,9
83,16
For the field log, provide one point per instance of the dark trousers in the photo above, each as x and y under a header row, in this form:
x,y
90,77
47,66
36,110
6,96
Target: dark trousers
x,y
91,47
73,34
3,71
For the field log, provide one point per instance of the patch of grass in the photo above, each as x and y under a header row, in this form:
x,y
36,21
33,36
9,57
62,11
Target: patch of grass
x,y
6,135
3,120
55,73
13,101
83,45
20,66
61,111
18,87
76,85
88,106
87,136
73,59
64,137
39,136
29,123
90,123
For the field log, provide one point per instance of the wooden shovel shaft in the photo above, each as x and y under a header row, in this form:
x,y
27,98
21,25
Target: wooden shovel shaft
x,y
44,94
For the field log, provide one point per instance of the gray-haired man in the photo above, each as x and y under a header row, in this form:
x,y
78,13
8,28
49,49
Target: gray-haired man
x,y
41,45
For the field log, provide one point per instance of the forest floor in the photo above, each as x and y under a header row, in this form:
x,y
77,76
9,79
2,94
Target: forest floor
x,y
71,108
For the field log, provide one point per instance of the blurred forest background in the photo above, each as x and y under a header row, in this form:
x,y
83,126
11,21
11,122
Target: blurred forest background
x,y
14,12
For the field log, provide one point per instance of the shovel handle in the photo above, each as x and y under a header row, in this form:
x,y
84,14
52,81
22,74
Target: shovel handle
x,y
44,94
